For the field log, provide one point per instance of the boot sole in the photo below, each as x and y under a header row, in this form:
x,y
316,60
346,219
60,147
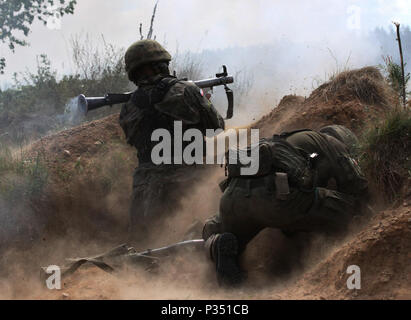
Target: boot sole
x,y
228,271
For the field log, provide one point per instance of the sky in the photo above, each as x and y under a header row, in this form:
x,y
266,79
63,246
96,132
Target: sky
x,y
197,25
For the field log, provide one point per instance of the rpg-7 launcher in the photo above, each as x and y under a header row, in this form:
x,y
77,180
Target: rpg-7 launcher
x,y
85,104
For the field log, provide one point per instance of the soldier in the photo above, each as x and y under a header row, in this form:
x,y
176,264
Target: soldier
x,y
158,102
293,193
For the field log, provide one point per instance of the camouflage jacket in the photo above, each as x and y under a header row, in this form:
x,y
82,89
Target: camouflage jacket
x,y
334,161
157,104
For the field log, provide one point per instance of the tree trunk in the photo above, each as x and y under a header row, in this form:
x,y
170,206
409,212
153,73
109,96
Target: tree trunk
x,y
402,65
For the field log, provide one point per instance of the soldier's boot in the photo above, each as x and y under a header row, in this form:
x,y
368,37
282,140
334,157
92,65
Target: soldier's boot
x,y
225,252
222,248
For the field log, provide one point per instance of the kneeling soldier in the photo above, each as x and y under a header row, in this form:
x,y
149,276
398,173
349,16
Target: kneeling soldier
x,y
308,181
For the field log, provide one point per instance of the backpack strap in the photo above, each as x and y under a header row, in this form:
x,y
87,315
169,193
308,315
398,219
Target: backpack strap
x,y
145,98
286,134
167,82
163,86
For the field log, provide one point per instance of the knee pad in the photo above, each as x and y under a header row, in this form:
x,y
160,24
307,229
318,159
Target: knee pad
x,y
209,246
211,226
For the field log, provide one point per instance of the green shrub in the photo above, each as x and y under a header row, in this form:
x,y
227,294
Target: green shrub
x,y
393,75
21,178
386,153
34,105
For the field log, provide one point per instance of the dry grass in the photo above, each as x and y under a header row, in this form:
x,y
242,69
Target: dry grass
x,y
20,177
366,84
386,154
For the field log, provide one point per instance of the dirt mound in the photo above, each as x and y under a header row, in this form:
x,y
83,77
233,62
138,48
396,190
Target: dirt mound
x,y
355,99
89,182
352,98
381,251
290,99
91,168
286,110
365,85
82,141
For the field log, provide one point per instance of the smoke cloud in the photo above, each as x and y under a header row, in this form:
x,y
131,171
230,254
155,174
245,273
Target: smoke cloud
x,y
285,47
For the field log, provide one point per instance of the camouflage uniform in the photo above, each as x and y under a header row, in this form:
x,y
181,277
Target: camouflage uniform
x,y
156,104
249,205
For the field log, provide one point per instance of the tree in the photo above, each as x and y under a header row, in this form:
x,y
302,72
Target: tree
x,y
19,15
150,31
394,76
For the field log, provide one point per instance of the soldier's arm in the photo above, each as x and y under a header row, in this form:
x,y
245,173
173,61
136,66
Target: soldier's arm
x,y
185,101
347,171
129,119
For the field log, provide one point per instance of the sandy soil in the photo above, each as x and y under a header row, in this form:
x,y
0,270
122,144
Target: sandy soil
x,y
83,218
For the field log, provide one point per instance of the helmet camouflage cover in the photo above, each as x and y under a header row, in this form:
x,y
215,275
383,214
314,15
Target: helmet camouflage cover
x,y
342,134
144,51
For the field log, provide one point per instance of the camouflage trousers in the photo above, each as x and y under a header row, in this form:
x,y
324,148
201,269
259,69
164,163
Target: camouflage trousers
x,y
250,205
157,192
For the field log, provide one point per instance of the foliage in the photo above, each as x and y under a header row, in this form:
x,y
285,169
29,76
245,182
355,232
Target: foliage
x,y
21,177
386,152
393,75
37,101
188,66
19,15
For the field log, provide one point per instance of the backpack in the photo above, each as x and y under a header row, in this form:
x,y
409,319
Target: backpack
x,y
275,156
344,135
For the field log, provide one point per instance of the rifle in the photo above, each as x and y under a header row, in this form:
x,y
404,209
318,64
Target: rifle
x,y
85,104
112,260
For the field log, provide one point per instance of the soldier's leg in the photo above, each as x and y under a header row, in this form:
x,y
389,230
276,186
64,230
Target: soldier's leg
x,y
224,250
146,202
156,193
138,227
250,205
227,235
331,212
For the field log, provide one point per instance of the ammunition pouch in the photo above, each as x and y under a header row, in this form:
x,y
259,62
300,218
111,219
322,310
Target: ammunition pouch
x,y
282,188
290,167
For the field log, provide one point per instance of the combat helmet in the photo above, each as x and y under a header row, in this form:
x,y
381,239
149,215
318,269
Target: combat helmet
x,y
343,134
143,52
